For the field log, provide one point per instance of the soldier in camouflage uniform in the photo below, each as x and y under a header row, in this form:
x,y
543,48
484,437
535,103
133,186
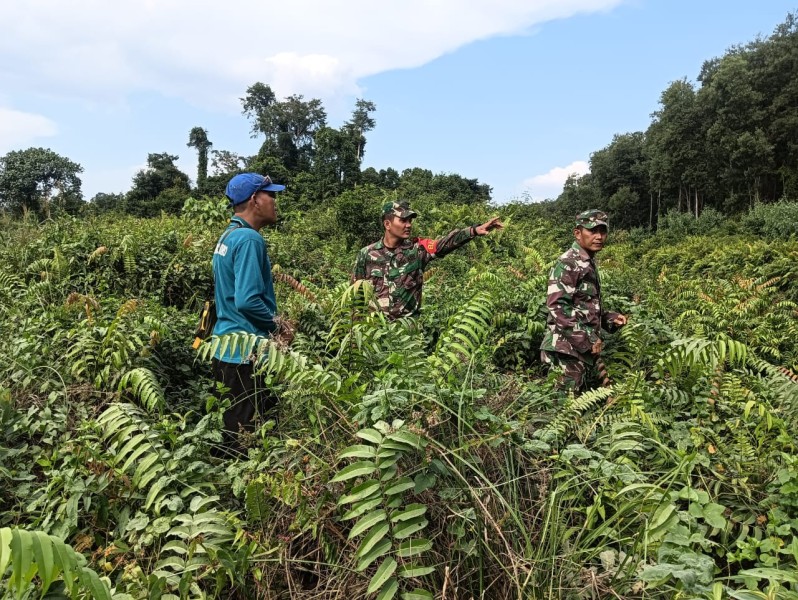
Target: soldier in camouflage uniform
x,y
395,264
576,316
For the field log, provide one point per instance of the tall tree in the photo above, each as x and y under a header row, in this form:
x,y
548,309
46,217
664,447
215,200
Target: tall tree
x,y
387,179
448,187
225,162
104,202
160,186
775,76
623,165
36,179
677,138
335,165
360,122
198,138
256,104
579,193
290,125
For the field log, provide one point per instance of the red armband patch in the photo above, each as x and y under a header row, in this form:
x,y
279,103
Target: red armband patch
x,y
430,246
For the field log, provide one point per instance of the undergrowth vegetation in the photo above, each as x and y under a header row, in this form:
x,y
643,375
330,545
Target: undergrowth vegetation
x,y
428,459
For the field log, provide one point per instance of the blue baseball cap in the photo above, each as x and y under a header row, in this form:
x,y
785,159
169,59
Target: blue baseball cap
x,y
242,186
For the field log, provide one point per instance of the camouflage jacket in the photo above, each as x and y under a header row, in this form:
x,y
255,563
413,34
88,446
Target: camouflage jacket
x,y
573,300
398,273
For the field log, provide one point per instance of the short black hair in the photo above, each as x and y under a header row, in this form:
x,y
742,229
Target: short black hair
x,y
241,206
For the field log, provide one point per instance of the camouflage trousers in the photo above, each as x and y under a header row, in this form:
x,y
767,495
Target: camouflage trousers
x,y
572,370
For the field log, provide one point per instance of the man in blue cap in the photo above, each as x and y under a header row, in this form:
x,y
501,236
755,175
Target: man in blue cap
x,y
245,301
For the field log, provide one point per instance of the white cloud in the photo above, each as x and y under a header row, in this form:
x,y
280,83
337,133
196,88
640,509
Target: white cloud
x,y
209,51
19,128
549,185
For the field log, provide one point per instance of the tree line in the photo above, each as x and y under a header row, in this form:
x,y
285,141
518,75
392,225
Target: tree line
x,y
728,142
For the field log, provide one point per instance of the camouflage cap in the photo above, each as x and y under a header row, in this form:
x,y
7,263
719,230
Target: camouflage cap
x,y
592,218
398,209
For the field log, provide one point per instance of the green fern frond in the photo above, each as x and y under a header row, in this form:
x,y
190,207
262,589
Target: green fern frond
x,y
533,260
137,451
567,419
144,385
464,334
245,344
127,252
34,554
688,354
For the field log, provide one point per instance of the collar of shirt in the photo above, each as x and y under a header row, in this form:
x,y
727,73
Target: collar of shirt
x,y
582,252
241,222
403,245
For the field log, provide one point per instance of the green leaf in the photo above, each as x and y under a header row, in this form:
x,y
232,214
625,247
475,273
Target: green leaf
x,y
397,446
386,463
409,527
406,437
713,515
156,489
358,469
382,427
135,443
418,594
695,510
410,548
414,570
92,582
43,552
22,559
361,491
362,507
424,481
5,548
387,453
199,502
147,469
383,574
401,485
372,537
175,562
688,493
65,556
782,576
367,522
664,517
394,503
358,451
412,510
174,546
388,590
388,473
381,548
370,435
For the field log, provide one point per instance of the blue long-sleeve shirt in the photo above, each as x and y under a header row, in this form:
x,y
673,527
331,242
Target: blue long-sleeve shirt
x,y
244,291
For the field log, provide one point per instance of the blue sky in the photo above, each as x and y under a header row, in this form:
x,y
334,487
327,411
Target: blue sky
x,y
515,93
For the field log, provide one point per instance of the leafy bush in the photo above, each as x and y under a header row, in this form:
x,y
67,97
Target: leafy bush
x,y
677,225
775,221
410,458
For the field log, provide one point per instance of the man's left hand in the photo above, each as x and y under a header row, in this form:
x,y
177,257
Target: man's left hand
x,y
494,223
620,320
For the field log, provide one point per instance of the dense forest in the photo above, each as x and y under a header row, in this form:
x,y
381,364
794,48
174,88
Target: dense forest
x,y
419,459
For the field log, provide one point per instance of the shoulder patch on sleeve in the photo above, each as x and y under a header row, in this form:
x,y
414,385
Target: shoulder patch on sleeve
x,y
430,246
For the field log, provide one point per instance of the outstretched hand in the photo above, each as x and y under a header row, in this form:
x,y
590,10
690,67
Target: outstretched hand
x,y
620,320
494,223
